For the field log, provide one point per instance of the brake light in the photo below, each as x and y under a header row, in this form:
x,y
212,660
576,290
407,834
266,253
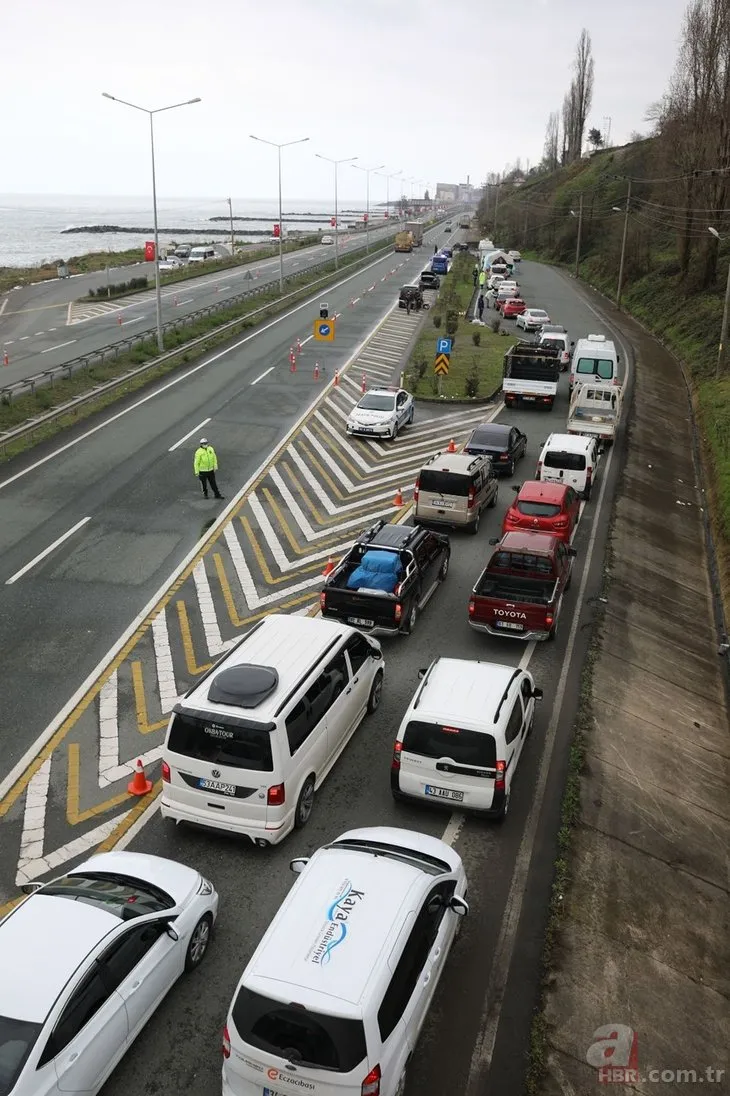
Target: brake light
x,y
415,491
561,523
165,772
472,606
549,620
512,516
398,612
276,796
504,456
499,777
371,1084
589,476
226,1043
322,600
397,751
471,498
547,399
616,380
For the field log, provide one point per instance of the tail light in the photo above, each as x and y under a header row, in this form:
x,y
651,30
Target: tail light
x,y
504,456
415,491
397,751
226,1043
398,613
165,772
549,620
561,523
322,600
471,498
276,796
371,1084
512,517
499,776
472,606
547,399
538,470
616,380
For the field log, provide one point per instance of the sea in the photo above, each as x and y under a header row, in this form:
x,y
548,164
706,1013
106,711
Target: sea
x,y
31,225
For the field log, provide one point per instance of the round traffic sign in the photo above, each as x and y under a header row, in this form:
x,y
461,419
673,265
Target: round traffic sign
x,y
325,329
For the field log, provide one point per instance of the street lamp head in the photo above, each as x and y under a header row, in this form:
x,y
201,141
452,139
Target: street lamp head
x,y
572,213
714,232
617,209
196,100
107,95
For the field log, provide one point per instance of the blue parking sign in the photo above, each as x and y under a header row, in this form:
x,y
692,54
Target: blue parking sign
x,y
443,346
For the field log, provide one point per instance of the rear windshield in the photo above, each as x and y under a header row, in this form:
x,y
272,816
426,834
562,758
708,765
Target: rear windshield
x,y
444,483
240,745
599,367
16,1042
554,340
521,561
538,509
463,747
571,462
297,1034
119,895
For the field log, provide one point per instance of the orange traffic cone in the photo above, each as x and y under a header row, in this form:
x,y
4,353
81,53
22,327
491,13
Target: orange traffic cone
x,y
337,379
398,500
139,784
329,567
119,318
6,359
451,448
316,371
364,383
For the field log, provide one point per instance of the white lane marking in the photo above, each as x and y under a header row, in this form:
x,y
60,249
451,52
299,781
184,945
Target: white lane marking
x,y
135,320
223,287
38,333
52,329
165,667
24,337
9,342
47,551
213,636
262,375
196,368
492,1006
59,347
4,305
187,300
188,435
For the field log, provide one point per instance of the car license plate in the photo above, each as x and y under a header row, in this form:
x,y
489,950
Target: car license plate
x,y
270,1092
360,622
528,398
509,626
444,793
442,504
216,786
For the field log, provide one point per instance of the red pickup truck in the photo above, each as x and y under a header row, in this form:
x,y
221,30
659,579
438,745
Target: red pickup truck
x,y
520,591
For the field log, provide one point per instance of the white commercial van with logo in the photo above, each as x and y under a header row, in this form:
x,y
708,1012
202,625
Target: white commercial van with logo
x,y
251,742
333,999
595,360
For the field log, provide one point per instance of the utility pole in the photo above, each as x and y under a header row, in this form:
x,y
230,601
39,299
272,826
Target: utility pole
x,y
623,250
230,211
496,210
723,330
577,243
524,234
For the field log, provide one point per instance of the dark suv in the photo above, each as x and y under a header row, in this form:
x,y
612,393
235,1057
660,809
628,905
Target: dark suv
x,y
410,296
429,280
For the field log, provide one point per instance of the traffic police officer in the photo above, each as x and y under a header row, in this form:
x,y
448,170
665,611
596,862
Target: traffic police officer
x,y
205,466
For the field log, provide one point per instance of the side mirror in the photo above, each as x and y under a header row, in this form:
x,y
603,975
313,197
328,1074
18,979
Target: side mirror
x,y
299,864
537,694
573,343
459,906
618,357
422,673
172,932
516,487
572,552
31,888
494,540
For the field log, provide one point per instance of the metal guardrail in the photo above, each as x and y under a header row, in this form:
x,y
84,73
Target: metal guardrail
x,y
28,428
29,385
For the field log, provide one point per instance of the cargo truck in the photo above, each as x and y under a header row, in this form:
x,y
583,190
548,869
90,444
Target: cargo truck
x,y
404,241
416,230
530,375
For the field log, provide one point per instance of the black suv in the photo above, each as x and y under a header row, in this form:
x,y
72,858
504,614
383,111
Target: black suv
x,y
386,578
410,294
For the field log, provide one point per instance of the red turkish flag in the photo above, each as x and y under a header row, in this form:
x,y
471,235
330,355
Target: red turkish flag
x,y
333,222
364,216
149,251
277,231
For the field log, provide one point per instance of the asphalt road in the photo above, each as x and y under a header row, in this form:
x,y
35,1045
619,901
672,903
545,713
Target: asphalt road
x,y
143,517
44,325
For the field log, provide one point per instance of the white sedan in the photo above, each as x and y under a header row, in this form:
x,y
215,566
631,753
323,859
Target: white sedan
x,y
86,960
532,319
381,413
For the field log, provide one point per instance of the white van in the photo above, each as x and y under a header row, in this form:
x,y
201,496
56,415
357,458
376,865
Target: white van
x,y
202,254
595,360
333,999
248,746
461,739
569,459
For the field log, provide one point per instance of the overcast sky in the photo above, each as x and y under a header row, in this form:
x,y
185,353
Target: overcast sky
x,y
440,90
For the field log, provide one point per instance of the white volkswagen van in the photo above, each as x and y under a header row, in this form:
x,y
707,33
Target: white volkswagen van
x,y
461,739
334,997
594,359
248,746
571,459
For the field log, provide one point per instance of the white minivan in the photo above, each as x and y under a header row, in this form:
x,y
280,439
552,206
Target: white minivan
x,y
202,254
461,739
595,360
251,742
570,459
333,999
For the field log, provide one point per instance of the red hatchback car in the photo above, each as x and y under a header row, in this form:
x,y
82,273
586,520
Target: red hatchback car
x,y
543,508
513,307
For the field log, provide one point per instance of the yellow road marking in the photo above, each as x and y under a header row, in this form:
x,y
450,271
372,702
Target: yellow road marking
x,y
4,910
187,641
331,443
140,702
337,520
287,531
263,565
239,622
74,814
139,808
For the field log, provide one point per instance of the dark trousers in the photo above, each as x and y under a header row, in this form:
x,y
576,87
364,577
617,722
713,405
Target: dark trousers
x,y
207,479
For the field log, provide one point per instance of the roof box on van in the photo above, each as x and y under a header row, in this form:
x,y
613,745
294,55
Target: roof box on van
x,y
596,338
243,686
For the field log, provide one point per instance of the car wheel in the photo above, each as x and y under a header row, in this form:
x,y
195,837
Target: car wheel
x,y
305,803
410,622
411,417
587,494
474,527
552,634
444,570
570,579
376,692
198,943
504,809
493,503
393,431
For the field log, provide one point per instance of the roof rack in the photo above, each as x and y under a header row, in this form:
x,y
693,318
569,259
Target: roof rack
x,y
517,672
424,682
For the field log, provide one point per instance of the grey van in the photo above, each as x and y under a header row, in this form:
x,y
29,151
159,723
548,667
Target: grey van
x,y
453,488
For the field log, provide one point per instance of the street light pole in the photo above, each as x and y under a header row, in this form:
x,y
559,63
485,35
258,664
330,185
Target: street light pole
x,y
580,229
719,368
347,160
151,114
620,285
279,147
367,171
393,175
230,211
